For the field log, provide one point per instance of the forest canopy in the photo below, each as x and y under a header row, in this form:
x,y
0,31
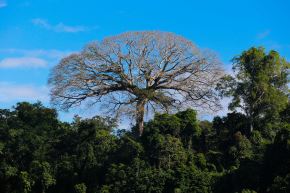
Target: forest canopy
x,y
246,151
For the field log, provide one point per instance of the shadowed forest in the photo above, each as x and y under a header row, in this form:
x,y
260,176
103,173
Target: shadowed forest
x,y
246,151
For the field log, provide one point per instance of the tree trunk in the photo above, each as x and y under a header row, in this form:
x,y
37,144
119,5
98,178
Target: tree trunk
x,y
249,115
251,127
251,121
140,115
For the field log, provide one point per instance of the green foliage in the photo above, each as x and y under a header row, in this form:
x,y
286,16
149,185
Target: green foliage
x,y
281,184
242,148
248,191
26,182
177,153
45,155
183,125
42,174
41,154
259,88
80,188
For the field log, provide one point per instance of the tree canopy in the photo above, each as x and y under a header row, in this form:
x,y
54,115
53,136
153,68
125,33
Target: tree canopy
x,y
177,152
259,86
127,72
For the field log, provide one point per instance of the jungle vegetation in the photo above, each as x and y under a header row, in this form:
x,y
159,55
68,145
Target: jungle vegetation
x,y
246,151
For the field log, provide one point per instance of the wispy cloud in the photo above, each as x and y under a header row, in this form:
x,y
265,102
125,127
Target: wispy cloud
x,y
3,4
51,54
10,92
60,27
39,58
263,34
264,39
22,62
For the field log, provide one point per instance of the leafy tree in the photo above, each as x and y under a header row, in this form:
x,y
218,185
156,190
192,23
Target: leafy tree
x,y
281,184
248,191
276,162
42,174
259,87
242,148
91,147
27,135
80,188
176,153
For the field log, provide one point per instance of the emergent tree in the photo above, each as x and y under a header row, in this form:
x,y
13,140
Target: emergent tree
x,y
260,86
135,70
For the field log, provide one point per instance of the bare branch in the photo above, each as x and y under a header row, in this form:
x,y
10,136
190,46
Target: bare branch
x,y
134,69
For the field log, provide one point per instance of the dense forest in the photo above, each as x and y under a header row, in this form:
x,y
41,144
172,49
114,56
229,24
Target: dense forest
x,y
246,151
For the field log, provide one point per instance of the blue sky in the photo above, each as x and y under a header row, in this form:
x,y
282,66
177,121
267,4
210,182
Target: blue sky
x,y
34,35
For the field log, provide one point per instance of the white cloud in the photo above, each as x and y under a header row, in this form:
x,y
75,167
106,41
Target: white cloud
x,y
60,27
22,62
3,4
39,58
263,34
10,92
51,54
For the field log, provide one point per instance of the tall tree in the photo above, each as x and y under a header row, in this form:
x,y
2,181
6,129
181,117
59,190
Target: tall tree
x,y
260,85
133,70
